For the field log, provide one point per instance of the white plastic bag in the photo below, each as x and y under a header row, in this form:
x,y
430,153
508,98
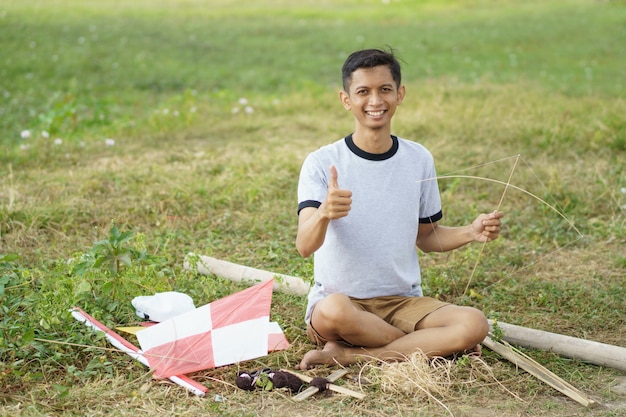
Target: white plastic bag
x,y
162,306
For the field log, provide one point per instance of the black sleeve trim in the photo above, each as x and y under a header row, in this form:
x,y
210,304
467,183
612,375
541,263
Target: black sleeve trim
x,y
432,219
308,203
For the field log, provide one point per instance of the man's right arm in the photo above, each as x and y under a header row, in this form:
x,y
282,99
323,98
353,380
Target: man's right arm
x,y
313,222
311,230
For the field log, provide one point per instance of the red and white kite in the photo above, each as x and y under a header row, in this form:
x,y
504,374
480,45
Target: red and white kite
x,y
232,329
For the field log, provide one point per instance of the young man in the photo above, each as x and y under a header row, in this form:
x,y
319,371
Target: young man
x,y
365,203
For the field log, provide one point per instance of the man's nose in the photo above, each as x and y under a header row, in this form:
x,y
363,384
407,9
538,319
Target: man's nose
x,y
375,98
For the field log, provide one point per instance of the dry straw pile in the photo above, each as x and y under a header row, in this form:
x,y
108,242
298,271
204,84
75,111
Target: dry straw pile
x,y
431,379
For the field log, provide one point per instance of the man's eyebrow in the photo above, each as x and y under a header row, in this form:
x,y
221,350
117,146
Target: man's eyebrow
x,y
358,87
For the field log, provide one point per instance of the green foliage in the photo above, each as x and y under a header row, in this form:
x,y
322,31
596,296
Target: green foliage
x,y
115,270
110,254
102,280
497,332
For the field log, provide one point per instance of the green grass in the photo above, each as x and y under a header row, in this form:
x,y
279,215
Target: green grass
x,y
84,69
189,169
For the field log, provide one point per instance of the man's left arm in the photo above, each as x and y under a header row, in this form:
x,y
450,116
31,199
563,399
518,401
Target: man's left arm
x,y
433,237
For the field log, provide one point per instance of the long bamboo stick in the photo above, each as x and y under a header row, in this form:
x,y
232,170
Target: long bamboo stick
x,y
571,347
239,273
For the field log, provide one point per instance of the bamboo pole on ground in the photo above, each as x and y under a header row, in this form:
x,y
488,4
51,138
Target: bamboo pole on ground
x,y
239,273
571,347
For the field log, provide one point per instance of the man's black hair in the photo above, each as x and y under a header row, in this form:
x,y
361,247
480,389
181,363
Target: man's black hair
x,y
370,58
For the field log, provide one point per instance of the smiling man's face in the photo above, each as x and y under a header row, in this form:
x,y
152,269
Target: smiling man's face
x,y
373,97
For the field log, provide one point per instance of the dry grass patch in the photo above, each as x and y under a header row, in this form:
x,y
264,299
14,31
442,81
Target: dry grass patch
x,y
433,380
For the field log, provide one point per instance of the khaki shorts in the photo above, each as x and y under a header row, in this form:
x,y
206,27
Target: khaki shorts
x,y
401,312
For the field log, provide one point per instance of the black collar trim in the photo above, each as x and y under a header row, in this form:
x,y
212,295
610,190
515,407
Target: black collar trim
x,y
372,156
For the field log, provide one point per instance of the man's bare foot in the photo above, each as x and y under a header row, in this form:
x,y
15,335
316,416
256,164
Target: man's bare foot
x,y
332,354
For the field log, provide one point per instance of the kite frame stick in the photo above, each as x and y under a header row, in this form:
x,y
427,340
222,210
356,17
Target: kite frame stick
x,y
538,371
133,351
332,387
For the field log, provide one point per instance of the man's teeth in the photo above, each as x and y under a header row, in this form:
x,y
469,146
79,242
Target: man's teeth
x,y
376,113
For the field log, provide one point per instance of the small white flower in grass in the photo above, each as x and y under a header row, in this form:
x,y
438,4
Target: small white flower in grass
x,y
243,101
58,141
623,190
193,109
166,111
175,113
25,134
45,134
235,110
24,146
109,142
249,110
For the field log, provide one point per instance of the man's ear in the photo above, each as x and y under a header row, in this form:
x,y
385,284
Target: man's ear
x,y
401,92
345,100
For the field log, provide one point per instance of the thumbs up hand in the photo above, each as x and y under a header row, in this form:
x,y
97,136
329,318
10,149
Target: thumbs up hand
x,y
333,177
338,201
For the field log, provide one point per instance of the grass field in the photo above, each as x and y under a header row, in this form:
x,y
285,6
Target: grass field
x,y
133,133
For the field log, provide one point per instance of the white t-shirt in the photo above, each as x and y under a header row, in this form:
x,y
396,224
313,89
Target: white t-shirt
x,y
371,252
